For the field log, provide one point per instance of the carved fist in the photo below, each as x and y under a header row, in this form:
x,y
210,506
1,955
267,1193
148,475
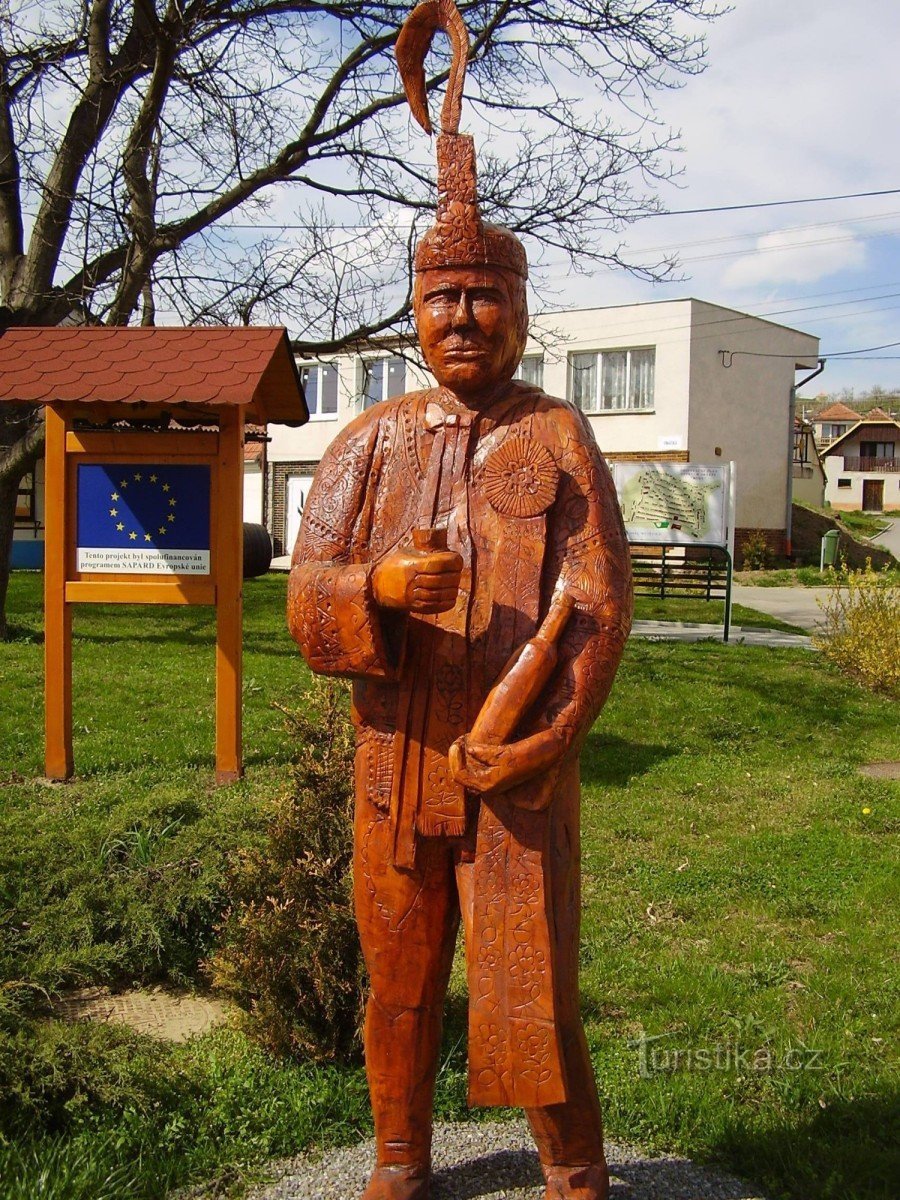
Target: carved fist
x,y
492,769
419,581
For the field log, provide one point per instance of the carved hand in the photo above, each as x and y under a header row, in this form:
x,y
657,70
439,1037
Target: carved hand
x,y
491,769
419,581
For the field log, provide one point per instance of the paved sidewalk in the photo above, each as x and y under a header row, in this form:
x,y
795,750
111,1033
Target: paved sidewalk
x,y
682,631
793,605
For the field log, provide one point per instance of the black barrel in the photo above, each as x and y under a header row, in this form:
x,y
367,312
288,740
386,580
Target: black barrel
x,y
257,550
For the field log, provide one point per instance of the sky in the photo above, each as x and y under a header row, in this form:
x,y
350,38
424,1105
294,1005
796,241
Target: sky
x,y
798,100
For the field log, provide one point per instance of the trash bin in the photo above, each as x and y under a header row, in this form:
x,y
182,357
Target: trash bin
x,y
829,549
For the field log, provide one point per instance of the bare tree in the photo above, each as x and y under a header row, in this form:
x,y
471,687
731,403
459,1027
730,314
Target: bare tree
x,y
237,160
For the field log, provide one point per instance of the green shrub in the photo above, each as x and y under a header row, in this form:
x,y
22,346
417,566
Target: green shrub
x,y
289,952
861,632
755,550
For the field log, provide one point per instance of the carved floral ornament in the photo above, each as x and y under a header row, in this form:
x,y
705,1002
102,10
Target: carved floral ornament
x,y
521,478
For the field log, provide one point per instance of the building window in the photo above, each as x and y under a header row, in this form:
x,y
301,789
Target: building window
x,y
613,380
320,385
833,431
531,370
25,500
802,440
876,449
381,378
842,483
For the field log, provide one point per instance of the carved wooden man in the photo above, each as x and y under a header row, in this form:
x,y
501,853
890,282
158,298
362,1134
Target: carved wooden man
x,y
441,529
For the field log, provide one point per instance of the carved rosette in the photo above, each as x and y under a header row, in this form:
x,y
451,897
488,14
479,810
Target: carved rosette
x,y
521,478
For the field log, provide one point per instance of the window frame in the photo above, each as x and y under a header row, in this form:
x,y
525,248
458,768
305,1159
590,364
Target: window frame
x,y
26,513
534,358
878,457
843,482
598,356
319,367
362,376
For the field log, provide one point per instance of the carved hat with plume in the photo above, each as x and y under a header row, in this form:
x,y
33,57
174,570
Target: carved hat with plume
x,y
459,237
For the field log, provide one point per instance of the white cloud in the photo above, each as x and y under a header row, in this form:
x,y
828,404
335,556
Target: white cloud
x,y
797,256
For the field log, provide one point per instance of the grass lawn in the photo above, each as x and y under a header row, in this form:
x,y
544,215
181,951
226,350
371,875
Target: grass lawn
x,y
706,612
861,525
800,577
740,886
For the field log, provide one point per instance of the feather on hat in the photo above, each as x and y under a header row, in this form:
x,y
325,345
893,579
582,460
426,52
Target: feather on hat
x,y
459,237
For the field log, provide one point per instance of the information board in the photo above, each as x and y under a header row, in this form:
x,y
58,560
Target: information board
x,y
671,503
143,519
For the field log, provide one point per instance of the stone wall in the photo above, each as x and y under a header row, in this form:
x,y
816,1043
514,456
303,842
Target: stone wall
x,y
808,528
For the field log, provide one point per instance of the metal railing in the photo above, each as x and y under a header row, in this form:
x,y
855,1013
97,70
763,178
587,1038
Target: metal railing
x,y
881,465
704,573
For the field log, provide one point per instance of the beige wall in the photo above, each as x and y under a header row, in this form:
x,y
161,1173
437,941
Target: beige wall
x,y
309,442
742,410
665,326
253,493
709,411
851,499
809,484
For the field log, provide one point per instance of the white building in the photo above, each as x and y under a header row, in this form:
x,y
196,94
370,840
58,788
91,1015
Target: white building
x,y
681,380
862,467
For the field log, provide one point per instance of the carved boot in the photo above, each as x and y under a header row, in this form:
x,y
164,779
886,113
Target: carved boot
x,y
577,1183
398,1183
401,1063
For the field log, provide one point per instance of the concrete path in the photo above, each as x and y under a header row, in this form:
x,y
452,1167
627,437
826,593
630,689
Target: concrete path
x,y
889,539
683,631
795,605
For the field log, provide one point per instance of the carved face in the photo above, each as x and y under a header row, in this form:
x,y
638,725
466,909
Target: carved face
x,y
472,327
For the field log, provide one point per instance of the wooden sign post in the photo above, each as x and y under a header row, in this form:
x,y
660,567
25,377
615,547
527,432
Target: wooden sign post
x,y
149,517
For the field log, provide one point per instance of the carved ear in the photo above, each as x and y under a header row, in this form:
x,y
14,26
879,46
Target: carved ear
x,y
414,42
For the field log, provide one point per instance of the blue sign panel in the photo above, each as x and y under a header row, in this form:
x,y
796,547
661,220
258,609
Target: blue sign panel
x,y
143,518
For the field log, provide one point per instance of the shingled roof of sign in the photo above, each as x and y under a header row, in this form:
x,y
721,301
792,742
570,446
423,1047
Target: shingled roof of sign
x,y
195,368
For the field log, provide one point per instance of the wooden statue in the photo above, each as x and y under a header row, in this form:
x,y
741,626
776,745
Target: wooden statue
x,y
462,559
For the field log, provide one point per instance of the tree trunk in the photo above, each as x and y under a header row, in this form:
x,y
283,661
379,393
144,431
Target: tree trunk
x,y
9,491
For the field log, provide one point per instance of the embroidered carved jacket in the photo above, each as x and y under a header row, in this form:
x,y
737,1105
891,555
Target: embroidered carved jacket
x,y
528,502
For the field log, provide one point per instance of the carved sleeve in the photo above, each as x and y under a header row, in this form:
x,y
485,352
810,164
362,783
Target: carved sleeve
x,y
588,554
332,614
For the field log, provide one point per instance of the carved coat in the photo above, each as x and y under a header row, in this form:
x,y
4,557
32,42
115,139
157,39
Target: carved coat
x,y
527,501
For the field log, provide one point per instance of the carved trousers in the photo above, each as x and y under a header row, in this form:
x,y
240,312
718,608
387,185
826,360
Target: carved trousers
x,y
408,922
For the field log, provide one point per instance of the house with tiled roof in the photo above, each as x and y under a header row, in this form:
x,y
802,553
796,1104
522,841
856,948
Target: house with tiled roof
x,y
833,422
862,468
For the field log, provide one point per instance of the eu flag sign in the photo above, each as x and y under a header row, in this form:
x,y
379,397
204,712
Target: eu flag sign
x,y
141,518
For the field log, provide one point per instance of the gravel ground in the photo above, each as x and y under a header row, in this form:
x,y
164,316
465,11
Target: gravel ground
x,y
497,1162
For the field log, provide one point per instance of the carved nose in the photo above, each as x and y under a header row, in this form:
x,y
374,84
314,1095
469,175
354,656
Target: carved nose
x,y
462,317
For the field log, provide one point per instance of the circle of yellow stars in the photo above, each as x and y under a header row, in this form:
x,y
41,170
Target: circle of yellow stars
x,y
115,496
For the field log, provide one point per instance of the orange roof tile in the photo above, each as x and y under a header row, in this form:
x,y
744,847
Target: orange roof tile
x,y
197,367
837,412
877,414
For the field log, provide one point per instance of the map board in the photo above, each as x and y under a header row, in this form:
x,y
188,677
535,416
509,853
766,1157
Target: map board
x,y
670,503
143,519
